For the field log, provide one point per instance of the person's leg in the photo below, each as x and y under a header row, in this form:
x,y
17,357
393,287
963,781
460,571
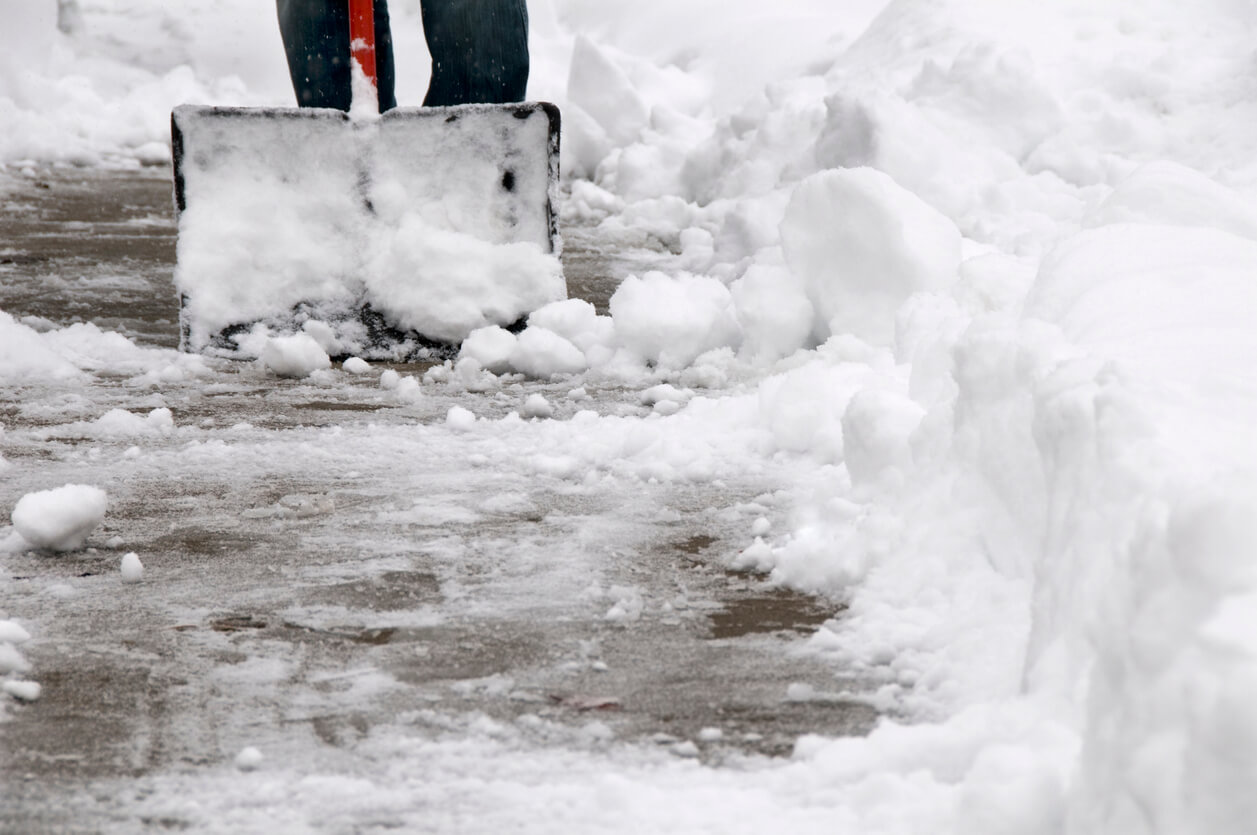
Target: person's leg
x,y
479,51
316,41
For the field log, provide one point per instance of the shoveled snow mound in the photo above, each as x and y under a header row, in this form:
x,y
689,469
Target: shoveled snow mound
x,y
60,519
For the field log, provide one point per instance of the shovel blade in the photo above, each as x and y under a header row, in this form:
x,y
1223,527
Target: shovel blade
x,y
392,235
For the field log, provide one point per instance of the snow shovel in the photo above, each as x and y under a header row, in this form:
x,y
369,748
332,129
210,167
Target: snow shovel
x,y
382,236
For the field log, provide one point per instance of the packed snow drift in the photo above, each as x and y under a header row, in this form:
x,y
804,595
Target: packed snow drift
x,y
984,274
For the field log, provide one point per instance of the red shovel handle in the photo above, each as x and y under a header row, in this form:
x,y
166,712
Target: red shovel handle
x,y
362,36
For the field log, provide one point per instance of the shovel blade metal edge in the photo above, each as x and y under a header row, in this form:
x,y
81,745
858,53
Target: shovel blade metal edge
x,y
494,170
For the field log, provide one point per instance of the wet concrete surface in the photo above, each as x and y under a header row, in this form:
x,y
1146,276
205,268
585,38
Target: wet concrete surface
x,y
295,608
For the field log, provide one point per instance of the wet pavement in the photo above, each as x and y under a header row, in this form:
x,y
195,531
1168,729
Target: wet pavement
x,y
308,578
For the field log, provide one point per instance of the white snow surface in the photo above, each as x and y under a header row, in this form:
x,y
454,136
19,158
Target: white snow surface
x,y
984,274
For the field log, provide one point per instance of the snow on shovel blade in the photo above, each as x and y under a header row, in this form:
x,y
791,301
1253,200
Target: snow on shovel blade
x,y
398,233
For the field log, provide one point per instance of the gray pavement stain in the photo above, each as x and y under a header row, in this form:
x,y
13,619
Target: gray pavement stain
x,y
268,614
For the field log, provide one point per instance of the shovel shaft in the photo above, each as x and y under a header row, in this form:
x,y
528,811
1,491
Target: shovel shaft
x,y
362,37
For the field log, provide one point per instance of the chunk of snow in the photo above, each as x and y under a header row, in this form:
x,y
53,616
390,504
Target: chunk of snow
x,y
673,320
577,321
132,569
249,759
297,355
25,691
862,245
544,354
356,365
536,406
460,419
60,519
491,346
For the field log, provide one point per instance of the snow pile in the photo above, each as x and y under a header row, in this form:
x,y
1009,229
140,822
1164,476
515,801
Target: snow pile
x,y
60,519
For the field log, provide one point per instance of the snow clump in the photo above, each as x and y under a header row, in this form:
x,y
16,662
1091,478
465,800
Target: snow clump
x,y
249,759
297,355
12,663
862,245
672,320
356,365
60,519
132,569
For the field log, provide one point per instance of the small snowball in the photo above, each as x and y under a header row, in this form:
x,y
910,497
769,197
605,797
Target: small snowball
x,y
389,379
25,691
298,355
686,749
760,527
491,347
711,735
536,406
408,390
132,568
60,519
356,365
459,419
249,759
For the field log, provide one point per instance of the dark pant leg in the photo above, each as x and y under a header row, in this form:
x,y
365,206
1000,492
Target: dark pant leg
x,y
316,40
479,51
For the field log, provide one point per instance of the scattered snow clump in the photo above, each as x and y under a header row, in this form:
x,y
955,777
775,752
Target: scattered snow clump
x,y
60,519
460,419
298,355
132,568
25,691
248,759
536,406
